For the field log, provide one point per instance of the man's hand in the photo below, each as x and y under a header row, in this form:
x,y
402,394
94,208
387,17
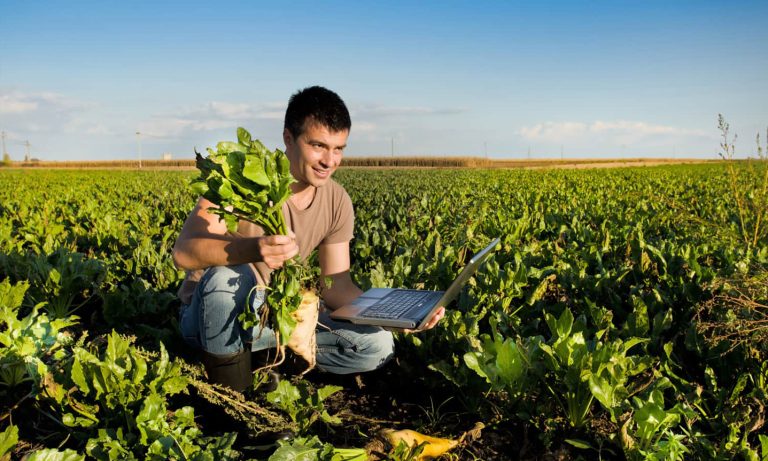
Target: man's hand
x,y
205,242
431,323
439,314
274,250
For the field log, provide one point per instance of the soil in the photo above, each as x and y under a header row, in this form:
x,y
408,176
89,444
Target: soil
x,y
386,399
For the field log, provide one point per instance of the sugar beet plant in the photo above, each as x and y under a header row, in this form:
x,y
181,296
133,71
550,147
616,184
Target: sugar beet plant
x,y
249,182
109,400
604,327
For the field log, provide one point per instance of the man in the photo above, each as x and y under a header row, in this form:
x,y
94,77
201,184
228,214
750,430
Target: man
x,y
223,268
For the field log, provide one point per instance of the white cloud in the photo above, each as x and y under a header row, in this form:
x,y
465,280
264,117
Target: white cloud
x,y
569,131
44,119
19,102
217,115
617,137
364,127
212,116
81,125
377,111
16,104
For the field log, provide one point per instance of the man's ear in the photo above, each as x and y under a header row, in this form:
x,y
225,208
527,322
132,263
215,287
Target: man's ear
x,y
287,137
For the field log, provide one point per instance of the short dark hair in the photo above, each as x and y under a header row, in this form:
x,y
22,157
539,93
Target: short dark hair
x,y
320,104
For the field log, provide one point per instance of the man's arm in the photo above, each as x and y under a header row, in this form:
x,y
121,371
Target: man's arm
x,y
204,242
334,263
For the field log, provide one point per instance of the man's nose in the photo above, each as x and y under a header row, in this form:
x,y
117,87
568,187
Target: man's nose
x,y
327,158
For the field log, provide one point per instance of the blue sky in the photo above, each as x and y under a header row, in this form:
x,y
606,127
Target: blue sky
x,y
588,79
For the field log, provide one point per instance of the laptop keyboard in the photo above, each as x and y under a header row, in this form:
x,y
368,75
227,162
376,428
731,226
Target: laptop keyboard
x,y
400,303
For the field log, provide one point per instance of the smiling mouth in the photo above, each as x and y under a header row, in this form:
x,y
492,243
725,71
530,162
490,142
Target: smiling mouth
x,y
322,172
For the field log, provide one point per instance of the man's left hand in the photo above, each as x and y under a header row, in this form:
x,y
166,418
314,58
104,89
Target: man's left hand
x,y
439,314
431,323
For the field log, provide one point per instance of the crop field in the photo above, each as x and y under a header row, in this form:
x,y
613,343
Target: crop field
x,y
623,316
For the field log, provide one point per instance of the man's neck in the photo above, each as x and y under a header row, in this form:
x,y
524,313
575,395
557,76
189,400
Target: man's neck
x,y
303,195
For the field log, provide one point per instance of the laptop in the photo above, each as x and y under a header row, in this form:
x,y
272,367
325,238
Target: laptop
x,y
403,308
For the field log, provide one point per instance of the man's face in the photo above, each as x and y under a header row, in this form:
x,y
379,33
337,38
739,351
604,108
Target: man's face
x,y
315,153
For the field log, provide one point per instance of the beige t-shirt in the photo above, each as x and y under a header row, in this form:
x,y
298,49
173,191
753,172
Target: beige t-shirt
x,y
328,219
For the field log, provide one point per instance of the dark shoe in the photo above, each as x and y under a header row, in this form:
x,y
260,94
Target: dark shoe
x,y
261,360
233,371
268,380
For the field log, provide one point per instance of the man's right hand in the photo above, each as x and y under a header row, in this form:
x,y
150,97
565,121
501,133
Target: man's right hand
x,y
274,250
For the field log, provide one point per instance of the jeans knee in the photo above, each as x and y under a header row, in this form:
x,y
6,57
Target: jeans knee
x,y
230,284
378,350
221,296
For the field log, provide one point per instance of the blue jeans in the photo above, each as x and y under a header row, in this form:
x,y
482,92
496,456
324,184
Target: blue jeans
x,y
210,323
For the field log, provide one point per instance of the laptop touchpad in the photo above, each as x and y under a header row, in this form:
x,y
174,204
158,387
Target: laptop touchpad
x,y
365,302
376,293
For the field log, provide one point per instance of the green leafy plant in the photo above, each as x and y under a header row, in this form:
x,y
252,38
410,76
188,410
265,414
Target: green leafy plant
x,y
312,449
249,182
8,440
567,355
633,254
52,454
652,426
303,405
503,362
404,452
590,369
115,401
611,370
26,342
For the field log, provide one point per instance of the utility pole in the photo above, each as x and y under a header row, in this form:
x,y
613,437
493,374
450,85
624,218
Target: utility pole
x,y
138,141
485,148
5,152
392,146
26,157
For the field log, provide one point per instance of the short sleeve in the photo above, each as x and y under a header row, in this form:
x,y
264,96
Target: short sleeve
x,y
343,218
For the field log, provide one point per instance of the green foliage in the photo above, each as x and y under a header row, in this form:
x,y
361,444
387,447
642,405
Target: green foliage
x,y
28,340
62,281
587,326
249,182
312,449
403,452
51,454
652,425
6,160
116,401
8,440
502,362
303,405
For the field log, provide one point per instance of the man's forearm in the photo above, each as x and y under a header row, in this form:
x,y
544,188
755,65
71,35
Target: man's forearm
x,y
203,252
341,292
